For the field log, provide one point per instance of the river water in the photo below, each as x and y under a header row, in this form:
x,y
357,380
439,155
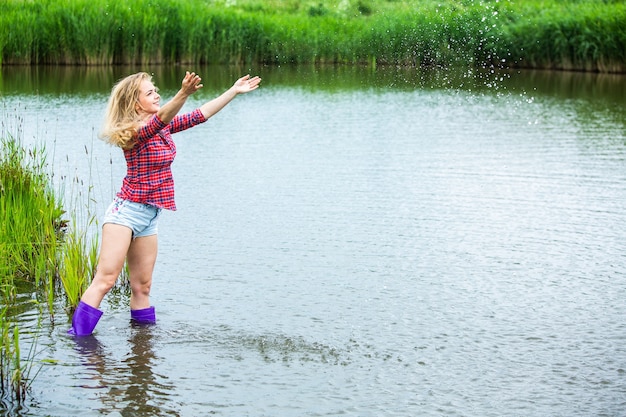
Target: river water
x,y
355,242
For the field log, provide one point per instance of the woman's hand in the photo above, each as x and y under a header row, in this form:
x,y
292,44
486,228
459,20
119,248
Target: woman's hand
x,y
243,85
191,83
246,84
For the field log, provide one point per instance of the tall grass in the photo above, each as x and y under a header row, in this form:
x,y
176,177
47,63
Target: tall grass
x,y
37,246
78,261
567,34
15,367
37,241
573,35
30,225
79,254
31,216
12,384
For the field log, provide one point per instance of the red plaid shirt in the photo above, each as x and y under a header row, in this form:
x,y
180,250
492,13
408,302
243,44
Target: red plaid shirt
x,y
149,177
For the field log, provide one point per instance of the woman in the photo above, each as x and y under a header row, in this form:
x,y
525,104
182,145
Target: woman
x,y
137,123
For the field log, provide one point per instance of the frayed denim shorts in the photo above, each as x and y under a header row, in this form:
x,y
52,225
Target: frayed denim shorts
x,y
141,218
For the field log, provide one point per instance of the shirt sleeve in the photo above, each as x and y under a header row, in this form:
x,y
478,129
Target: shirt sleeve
x,y
186,121
150,129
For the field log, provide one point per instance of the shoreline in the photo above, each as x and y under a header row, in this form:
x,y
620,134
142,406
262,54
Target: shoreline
x,y
586,37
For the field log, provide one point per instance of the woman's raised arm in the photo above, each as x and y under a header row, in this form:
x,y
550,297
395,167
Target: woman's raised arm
x,y
243,85
191,83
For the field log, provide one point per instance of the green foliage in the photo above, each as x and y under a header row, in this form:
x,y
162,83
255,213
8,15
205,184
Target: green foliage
x,y
15,368
572,34
30,214
78,262
35,243
34,246
10,388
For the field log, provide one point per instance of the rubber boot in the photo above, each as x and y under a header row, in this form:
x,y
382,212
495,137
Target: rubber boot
x,y
143,316
84,320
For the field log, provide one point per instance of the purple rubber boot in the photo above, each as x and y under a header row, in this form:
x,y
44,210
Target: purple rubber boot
x,y
143,316
84,320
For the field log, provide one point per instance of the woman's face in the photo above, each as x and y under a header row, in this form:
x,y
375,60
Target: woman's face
x,y
149,98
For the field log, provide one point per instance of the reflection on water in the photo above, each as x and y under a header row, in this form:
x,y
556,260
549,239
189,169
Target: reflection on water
x,y
128,387
89,81
93,358
364,243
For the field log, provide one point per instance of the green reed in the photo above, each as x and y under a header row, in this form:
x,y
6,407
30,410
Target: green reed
x,y
15,371
31,216
12,385
15,368
567,34
37,246
31,224
78,262
78,257
575,35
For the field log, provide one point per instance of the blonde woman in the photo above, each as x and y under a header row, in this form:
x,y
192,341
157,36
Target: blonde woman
x,y
136,122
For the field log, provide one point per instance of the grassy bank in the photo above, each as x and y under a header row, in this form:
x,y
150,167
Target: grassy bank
x,y
31,226
40,243
578,35
40,250
31,221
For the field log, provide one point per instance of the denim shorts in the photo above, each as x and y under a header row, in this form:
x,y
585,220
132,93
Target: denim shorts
x,y
142,219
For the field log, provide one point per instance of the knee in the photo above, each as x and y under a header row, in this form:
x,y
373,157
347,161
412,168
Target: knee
x,y
140,287
105,280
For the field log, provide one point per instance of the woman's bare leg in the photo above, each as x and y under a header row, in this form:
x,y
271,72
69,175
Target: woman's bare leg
x,y
141,259
116,240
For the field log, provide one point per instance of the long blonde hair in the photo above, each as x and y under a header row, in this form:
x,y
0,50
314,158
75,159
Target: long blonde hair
x,y
121,120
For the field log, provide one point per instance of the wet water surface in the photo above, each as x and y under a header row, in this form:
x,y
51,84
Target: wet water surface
x,y
358,243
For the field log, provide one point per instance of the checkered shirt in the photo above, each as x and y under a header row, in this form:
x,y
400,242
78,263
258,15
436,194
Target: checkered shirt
x,y
149,177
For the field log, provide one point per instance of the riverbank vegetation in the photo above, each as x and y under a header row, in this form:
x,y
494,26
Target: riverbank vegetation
x,y
31,216
30,227
39,250
40,242
585,35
